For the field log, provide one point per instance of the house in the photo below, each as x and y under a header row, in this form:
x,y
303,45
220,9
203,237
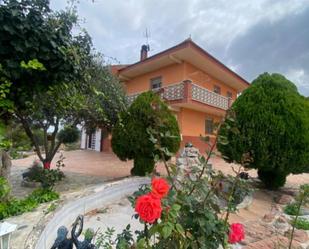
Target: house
x,y
197,87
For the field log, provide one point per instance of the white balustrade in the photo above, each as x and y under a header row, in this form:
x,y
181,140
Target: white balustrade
x,y
200,94
205,96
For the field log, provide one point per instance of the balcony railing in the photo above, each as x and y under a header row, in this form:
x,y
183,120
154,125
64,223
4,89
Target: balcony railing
x,y
203,95
187,90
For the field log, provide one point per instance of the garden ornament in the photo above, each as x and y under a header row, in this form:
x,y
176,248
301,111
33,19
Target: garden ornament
x,y
189,145
76,232
62,242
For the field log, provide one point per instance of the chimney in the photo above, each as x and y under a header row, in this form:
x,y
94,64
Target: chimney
x,y
144,52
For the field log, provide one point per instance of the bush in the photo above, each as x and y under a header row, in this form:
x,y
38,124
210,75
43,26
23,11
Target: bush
x,y
142,165
4,189
269,123
131,138
47,177
301,223
13,207
68,135
291,209
272,179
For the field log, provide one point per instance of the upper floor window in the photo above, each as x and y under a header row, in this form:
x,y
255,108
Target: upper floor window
x,y
229,94
217,89
155,83
209,126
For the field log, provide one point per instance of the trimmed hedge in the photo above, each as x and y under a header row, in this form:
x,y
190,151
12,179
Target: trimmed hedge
x,y
270,123
130,139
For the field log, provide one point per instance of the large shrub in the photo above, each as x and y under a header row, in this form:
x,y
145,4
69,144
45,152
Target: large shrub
x,y
131,137
270,125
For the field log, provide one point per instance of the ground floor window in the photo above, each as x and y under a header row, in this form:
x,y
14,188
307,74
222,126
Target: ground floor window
x,y
209,125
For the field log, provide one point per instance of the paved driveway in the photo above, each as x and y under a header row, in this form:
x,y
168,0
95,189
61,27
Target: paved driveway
x,y
109,166
87,162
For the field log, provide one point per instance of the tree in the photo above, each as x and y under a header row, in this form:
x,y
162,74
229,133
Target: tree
x,y
52,72
110,98
7,105
131,138
68,106
38,49
270,126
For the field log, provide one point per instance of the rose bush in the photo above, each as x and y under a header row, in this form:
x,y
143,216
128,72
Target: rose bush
x,y
182,210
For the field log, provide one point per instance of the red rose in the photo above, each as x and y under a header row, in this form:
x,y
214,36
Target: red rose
x,y
237,233
148,207
160,187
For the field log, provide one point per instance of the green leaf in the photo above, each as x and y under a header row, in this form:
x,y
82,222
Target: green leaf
x,y
167,231
179,228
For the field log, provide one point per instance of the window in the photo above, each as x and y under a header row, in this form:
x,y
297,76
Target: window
x,y
155,83
229,94
217,89
209,126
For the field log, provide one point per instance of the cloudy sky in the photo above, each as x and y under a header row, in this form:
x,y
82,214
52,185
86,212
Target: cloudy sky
x,y
249,36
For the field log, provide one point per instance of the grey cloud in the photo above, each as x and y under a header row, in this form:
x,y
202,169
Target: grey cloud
x,y
281,46
249,36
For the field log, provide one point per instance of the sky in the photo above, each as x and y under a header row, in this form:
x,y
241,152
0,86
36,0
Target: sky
x,y
249,36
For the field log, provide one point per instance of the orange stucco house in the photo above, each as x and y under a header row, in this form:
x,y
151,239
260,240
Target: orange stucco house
x,y
197,87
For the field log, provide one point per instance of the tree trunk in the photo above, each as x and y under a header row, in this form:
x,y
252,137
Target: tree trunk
x,y
5,165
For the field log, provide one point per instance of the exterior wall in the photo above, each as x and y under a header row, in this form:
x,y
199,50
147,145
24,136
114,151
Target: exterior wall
x,y
107,144
176,73
98,140
193,122
197,143
170,75
203,79
192,126
83,140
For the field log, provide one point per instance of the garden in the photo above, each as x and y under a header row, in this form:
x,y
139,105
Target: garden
x,y
52,82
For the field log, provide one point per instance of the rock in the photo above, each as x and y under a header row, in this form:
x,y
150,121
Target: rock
x,y
282,219
284,199
304,211
281,224
189,158
5,165
299,235
256,231
270,217
273,242
30,184
276,209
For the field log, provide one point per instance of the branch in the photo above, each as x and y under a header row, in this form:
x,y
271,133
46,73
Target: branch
x,y
45,141
53,137
29,133
207,159
54,151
